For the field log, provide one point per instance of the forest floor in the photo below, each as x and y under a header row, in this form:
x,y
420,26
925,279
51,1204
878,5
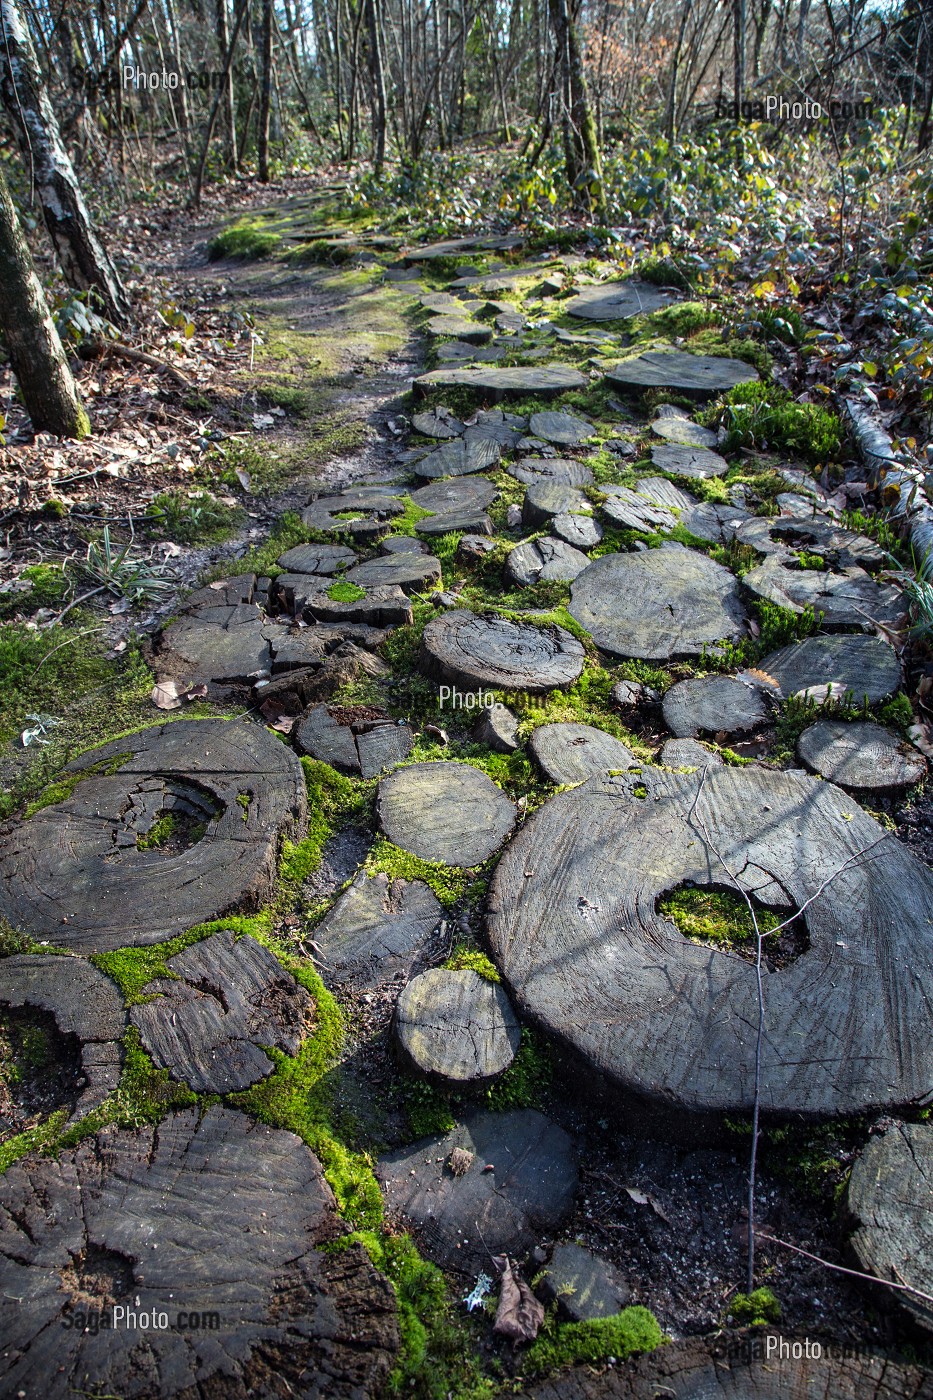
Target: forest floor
x,y
300,387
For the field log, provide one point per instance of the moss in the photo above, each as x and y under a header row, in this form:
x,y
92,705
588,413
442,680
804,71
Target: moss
x,y
48,587
158,834
405,523
526,1082
192,518
63,787
287,532
897,713
624,1334
717,916
755,1309
427,1108
767,415
36,1139
685,319
247,238
344,592
332,800
472,960
449,883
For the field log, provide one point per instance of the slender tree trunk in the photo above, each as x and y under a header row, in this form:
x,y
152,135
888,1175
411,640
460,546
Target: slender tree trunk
x,y
36,352
265,91
379,87
218,95
229,98
84,259
581,146
738,39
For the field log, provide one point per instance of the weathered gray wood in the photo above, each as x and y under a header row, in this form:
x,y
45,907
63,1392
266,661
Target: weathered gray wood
x,y
543,381
459,328
708,704
658,604
473,452
711,522
411,572
586,954
453,247
860,755
866,666
822,536
385,605
439,302
472,650
378,930
226,998
216,1214
847,599
382,745
317,559
462,1219
581,531
571,753
364,747
544,561
374,507
498,426
683,431
84,1003
218,644
664,493
697,462
889,1200
401,544
615,301
562,470
633,511
563,428
458,352
729,1369
457,493
471,519
687,753
437,422
447,812
73,873
497,727
456,1026
582,1285
696,376
545,499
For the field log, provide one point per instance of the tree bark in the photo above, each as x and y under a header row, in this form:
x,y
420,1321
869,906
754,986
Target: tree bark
x,y
379,87
83,258
265,91
223,39
738,39
36,352
581,146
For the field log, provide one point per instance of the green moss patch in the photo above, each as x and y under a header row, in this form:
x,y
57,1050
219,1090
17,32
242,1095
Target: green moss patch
x,y
333,800
718,916
564,1343
449,883
344,592
766,415
245,239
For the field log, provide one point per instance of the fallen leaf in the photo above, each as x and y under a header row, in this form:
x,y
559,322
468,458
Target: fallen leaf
x,y
820,694
519,1314
171,695
284,724
460,1161
922,736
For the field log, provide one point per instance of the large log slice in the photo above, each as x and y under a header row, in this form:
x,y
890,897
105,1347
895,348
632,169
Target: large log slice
x,y
219,1220
472,651
574,928
700,1370
74,873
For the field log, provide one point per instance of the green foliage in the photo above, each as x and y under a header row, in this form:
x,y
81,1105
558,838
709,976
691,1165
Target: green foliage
x,y
783,323
344,592
472,960
332,800
755,1309
244,239
897,713
428,1109
622,1335
526,1082
766,415
287,532
449,883
192,517
46,586
158,834
718,916
116,569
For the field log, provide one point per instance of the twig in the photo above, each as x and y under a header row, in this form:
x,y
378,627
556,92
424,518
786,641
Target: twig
x,y
67,642
853,1273
113,350
75,601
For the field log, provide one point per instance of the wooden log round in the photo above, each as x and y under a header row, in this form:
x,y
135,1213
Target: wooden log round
x,y
437,422
543,561
459,328
447,812
712,522
575,929
371,509
850,598
473,452
683,431
679,460
889,1200
214,644
75,873
226,997
571,753
820,535
456,1026
580,531
709,704
634,511
317,559
541,381
860,755
695,376
411,572
83,1002
563,471
377,931
462,1219
867,666
565,429
471,650
658,604
455,493
767,1366
616,301
545,499
215,1223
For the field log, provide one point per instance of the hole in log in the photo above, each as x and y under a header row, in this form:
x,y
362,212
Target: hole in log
x,y
40,1070
719,917
97,1277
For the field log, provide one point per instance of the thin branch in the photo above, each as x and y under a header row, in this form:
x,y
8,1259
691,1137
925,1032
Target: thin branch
x,y
853,1273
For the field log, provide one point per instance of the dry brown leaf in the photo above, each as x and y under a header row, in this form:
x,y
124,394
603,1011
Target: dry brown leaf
x,y
519,1314
171,695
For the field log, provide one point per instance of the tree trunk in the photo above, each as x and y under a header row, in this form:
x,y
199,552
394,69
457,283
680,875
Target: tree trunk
x,y
36,352
738,38
84,259
223,39
265,91
379,87
581,147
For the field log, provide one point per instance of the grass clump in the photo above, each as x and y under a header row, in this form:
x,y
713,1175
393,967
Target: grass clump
x,y
766,415
755,1309
624,1334
332,800
192,518
717,916
244,239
